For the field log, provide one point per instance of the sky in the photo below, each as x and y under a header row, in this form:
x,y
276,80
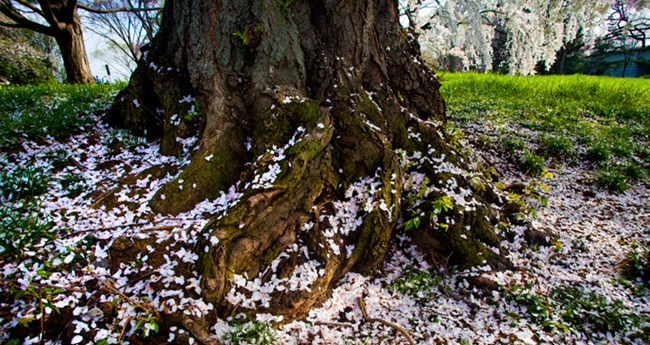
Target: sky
x,y
100,56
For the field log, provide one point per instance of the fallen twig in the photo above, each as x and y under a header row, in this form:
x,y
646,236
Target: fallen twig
x,y
46,286
76,162
147,308
128,321
362,306
332,323
150,229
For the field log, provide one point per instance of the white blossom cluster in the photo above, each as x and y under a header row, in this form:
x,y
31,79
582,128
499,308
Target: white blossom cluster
x,y
533,30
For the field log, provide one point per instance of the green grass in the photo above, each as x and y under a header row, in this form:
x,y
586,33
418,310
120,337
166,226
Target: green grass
x,y
34,113
74,184
115,136
636,265
57,110
530,163
21,226
602,120
416,283
569,309
557,146
23,182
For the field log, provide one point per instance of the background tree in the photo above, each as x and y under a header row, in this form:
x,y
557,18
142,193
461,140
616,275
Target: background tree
x,y
321,122
628,28
126,30
474,31
57,19
26,57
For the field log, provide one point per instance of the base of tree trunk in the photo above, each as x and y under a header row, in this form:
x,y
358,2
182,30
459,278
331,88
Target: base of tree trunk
x,y
330,143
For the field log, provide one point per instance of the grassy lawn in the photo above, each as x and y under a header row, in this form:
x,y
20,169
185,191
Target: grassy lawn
x,y
549,120
56,110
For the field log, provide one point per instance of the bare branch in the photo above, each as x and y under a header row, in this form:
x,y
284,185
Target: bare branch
x,y
21,21
118,9
30,6
10,25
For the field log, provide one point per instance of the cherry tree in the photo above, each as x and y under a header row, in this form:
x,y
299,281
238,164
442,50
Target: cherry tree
x,y
531,30
321,120
57,19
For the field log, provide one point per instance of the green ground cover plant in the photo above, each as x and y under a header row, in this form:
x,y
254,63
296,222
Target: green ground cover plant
x,y
23,182
569,309
636,265
21,226
261,333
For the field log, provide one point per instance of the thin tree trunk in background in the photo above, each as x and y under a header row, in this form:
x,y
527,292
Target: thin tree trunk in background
x,y
561,63
73,52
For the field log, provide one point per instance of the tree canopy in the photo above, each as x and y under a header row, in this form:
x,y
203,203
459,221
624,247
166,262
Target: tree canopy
x,y
511,35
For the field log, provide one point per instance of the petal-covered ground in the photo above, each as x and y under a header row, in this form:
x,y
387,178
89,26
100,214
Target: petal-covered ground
x,y
61,283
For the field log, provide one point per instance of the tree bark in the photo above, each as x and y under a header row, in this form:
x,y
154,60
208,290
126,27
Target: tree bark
x,y
325,119
73,52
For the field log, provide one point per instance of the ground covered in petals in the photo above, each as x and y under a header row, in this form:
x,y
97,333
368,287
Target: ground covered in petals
x,y
71,202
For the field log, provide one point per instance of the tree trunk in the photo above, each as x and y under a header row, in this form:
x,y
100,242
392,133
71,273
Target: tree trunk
x,y
73,52
561,61
325,119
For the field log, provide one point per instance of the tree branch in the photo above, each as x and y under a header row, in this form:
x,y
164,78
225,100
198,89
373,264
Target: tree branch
x,y
71,7
49,16
30,6
10,25
117,9
22,22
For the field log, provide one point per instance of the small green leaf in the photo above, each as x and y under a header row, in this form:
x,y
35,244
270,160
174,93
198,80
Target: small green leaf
x,y
413,224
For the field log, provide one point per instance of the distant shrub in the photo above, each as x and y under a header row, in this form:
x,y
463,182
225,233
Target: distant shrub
x,y
26,56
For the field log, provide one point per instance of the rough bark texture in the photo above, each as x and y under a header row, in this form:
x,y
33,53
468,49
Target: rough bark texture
x,y
73,52
65,27
323,116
